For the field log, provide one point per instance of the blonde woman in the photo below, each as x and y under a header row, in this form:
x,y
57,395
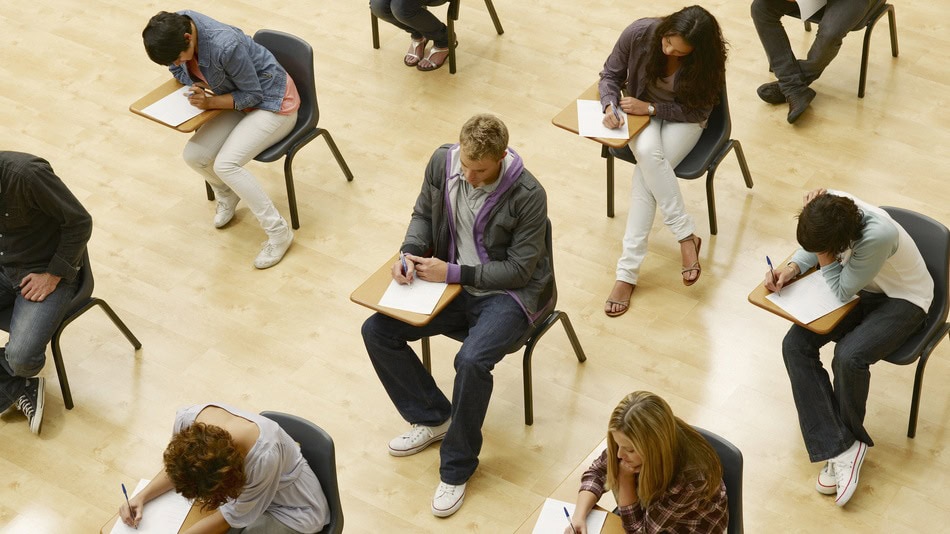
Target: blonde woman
x,y
664,475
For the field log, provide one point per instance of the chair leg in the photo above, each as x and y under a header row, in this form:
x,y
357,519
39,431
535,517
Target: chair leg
x,y
526,371
494,16
863,78
743,166
136,344
807,26
375,24
711,199
426,355
610,182
61,370
892,22
209,191
915,397
291,191
572,336
451,31
336,154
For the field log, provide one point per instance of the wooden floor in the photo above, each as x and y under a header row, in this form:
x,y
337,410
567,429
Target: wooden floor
x,y
215,329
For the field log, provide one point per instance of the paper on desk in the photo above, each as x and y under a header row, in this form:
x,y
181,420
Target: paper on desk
x,y
418,297
590,122
174,109
553,521
162,515
807,8
808,298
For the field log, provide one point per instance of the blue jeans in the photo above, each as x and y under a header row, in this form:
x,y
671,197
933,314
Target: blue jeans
x,y
31,328
412,16
832,416
837,19
494,324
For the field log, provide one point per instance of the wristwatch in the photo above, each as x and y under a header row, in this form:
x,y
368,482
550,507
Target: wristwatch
x,y
651,110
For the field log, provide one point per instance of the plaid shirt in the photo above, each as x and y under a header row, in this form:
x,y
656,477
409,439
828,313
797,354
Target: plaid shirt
x,y
681,509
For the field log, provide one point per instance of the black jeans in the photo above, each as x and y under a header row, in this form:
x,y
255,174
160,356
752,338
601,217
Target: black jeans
x,y
412,16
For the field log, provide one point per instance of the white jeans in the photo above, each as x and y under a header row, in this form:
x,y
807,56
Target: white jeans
x,y
219,150
659,148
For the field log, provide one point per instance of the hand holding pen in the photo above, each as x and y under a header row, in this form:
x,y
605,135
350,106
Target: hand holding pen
x,y
199,96
404,270
133,516
614,119
776,280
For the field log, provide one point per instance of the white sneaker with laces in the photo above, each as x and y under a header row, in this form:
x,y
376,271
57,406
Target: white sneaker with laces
x,y
273,251
416,439
847,466
827,483
447,499
224,211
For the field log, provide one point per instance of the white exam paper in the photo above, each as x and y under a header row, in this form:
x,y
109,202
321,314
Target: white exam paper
x,y
162,515
553,521
590,122
808,299
174,109
418,297
810,7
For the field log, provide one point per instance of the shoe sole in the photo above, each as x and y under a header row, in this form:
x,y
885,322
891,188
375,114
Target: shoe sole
x,y
414,450
40,403
825,490
448,511
853,482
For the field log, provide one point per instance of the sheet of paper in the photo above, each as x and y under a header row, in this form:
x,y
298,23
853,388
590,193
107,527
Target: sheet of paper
x,y
162,515
553,521
418,297
808,299
590,122
810,7
174,109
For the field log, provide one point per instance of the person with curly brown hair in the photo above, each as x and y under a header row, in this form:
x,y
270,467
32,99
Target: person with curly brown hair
x,y
243,466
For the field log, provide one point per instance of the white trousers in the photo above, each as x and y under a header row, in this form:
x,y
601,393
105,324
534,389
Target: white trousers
x,y
659,148
219,150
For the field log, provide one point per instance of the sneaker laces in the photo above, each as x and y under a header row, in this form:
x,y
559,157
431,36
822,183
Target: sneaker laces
x,y
417,431
24,405
446,489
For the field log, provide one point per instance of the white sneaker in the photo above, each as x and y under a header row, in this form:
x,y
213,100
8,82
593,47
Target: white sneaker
x,y
418,438
273,251
447,499
827,483
224,211
847,466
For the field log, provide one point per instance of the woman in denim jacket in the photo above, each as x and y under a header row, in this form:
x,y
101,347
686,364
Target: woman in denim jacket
x,y
227,70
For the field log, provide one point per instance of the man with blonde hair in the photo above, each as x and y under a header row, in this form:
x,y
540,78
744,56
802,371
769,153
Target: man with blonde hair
x,y
480,221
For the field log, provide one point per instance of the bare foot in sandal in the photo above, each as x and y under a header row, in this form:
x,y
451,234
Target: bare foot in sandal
x,y
689,248
619,300
416,49
434,59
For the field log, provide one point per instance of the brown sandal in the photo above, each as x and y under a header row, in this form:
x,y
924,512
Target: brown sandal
x,y
416,49
623,305
695,267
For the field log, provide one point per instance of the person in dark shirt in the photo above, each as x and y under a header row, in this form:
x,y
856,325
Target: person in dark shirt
x,y
43,234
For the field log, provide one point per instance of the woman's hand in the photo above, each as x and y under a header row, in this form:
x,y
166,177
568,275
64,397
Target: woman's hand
x,y
611,119
131,516
634,106
782,277
578,525
199,98
812,195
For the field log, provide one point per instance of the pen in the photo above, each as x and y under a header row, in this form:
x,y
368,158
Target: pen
x,y
207,92
568,515
405,267
614,108
771,270
127,502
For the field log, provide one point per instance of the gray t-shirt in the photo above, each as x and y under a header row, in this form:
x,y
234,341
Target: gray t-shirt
x,y
279,480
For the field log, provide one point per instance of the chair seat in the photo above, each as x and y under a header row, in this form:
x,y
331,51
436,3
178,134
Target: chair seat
x,y
280,149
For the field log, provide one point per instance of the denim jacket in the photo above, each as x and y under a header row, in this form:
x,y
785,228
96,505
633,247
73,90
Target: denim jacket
x,y
233,63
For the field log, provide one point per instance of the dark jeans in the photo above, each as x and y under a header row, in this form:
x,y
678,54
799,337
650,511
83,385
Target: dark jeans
x,y
837,19
494,324
31,328
412,16
832,416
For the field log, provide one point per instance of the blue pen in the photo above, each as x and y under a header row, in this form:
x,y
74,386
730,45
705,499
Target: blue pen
x,y
771,270
127,501
617,113
405,267
568,515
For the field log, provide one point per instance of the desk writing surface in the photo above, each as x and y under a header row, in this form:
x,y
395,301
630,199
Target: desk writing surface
x,y
196,514
370,291
821,325
567,119
170,86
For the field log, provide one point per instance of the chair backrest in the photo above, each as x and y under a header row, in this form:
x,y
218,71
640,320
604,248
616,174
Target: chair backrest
x,y
83,293
933,240
317,448
731,458
296,56
711,143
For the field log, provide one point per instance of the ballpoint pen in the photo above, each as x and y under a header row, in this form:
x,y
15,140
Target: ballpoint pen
x,y
569,522
615,108
127,502
771,270
405,266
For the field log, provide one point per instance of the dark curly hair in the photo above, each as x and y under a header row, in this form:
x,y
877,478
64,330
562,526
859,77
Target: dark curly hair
x,y
164,37
829,223
203,463
703,71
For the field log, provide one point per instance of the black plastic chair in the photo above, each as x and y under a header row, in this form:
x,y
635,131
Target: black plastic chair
x,y
867,24
453,15
530,338
317,448
933,241
82,301
296,56
713,145
731,458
